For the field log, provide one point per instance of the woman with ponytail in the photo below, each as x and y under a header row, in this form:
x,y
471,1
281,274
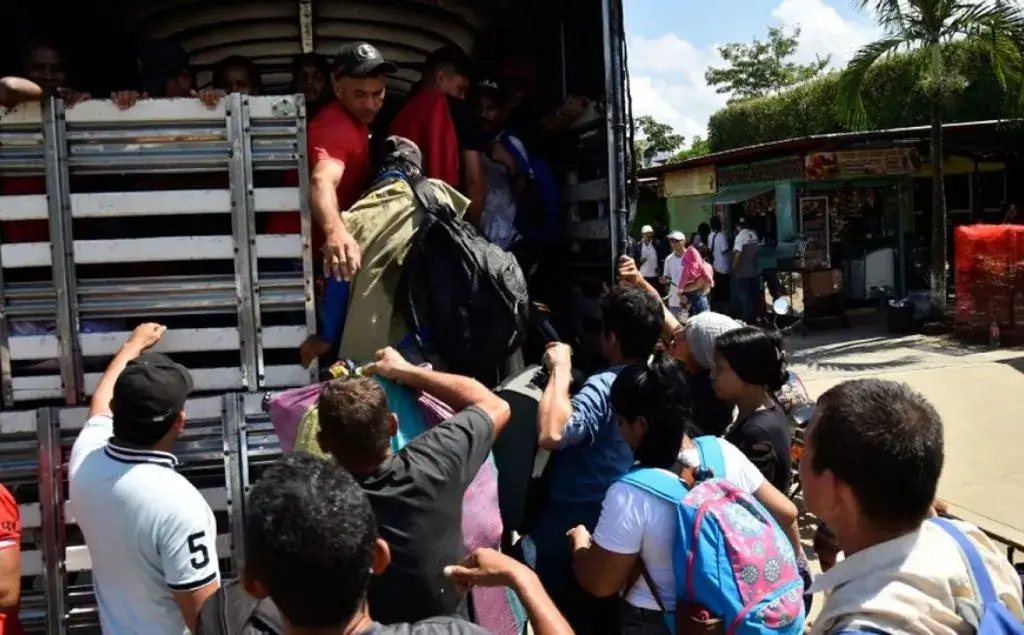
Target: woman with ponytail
x,y
749,367
631,549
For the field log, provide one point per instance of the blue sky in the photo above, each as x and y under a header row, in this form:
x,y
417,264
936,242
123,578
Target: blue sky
x,y
672,42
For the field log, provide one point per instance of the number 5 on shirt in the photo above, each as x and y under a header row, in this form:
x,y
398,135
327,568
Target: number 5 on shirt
x,y
200,554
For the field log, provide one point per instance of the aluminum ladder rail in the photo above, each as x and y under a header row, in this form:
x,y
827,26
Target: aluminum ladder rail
x,y
233,145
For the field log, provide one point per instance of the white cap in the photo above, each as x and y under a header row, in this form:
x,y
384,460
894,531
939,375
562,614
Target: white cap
x,y
646,229
677,235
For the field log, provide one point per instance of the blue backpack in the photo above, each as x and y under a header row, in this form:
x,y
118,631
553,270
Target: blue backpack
x,y
730,556
996,619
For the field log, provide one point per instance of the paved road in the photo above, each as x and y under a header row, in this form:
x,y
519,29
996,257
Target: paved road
x,y
978,391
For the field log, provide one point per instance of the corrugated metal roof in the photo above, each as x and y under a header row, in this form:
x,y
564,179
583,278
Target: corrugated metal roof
x,y
809,143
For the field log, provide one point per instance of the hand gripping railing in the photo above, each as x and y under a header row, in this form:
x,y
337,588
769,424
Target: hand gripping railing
x,y
176,240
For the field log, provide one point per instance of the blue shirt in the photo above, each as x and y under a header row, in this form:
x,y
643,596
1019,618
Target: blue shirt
x,y
592,453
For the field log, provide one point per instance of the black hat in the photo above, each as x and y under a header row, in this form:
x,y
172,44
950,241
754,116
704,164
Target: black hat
x,y
361,59
488,88
396,147
148,393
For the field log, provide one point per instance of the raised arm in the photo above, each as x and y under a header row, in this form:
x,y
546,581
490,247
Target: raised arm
x,y
629,274
455,390
555,409
144,336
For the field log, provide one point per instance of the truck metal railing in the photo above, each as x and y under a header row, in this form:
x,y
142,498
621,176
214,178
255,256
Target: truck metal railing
x,y
154,213
225,440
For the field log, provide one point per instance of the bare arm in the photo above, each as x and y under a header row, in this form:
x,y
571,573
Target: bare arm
x,y
555,408
476,186
10,578
600,572
323,195
545,618
488,568
455,390
17,90
629,274
783,511
189,602
144,336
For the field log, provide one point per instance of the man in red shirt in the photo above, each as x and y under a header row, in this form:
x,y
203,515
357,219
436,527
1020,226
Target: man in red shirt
x,y
339,150
447,129
10,563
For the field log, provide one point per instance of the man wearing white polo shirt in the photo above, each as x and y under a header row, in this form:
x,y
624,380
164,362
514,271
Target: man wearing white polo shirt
x,y
150,533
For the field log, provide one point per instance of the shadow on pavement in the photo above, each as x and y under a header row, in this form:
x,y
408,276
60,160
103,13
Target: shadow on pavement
x,y
1016,363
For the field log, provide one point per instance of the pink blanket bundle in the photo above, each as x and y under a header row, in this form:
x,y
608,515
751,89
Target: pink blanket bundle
x,y
695,268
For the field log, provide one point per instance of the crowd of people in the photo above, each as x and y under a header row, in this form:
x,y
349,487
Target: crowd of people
x,y
369,539
708,269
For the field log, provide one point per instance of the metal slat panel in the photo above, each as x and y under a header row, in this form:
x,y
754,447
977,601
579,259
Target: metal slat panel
x,y
197,409
207,379
279,246
166,111
167,249
18,422
28,207
21,255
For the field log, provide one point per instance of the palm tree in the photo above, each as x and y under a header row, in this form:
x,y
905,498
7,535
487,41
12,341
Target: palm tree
x,y
926,26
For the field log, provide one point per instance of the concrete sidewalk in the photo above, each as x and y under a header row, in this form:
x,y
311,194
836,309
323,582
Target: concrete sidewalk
x,y
978,391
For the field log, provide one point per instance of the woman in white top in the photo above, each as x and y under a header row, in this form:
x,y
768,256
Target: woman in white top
x,y
652,404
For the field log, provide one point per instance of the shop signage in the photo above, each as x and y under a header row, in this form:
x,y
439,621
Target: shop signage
x,y
849,164
692,182
785,169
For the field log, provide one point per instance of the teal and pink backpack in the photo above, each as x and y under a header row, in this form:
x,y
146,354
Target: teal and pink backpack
x,y
730,556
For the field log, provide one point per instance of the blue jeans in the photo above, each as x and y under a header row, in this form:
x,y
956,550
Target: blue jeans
x,y
698,302
745,292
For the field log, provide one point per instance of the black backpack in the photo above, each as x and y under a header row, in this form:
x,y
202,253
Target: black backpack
x,y
469,292
232,611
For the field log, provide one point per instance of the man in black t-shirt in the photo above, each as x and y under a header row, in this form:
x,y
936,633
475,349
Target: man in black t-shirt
x,y
417,492
311,548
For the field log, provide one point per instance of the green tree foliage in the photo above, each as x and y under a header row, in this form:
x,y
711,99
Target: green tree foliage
x,y
655,138
698,148
762,68
893,96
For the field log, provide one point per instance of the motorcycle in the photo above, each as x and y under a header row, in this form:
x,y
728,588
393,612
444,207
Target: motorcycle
x,y
799,408
783,318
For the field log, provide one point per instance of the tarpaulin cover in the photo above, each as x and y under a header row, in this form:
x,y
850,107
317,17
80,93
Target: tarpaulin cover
x,y
989,270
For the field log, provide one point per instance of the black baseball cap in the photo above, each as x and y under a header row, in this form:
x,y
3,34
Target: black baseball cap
x,y
360,60
396,147
488,88
147,394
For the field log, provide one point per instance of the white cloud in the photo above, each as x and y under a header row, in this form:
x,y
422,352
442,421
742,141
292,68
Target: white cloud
x,y
667,82
667,72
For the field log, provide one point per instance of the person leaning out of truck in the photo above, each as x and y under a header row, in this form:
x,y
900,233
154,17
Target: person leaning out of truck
x,y
10,563
339,160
